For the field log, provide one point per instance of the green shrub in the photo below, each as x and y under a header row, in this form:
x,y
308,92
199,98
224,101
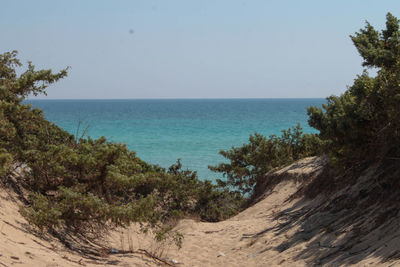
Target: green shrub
x,y
5,162
202,198
42,212
363,124
215,204
253,160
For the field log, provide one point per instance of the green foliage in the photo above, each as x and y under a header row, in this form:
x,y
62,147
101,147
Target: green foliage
x,y
194,197
253,160
14,88
215,204
5,162
363,124
88,185
42,213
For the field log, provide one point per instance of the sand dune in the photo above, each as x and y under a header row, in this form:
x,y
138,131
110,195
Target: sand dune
x,y
279,230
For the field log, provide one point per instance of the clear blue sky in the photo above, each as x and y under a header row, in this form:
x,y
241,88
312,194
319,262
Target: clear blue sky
x,y
192,49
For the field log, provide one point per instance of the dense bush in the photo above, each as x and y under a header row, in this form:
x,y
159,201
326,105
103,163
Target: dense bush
x,y
250,162
363,124
85,184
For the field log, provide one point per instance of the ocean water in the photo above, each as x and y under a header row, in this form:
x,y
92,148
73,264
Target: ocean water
x,y
194,130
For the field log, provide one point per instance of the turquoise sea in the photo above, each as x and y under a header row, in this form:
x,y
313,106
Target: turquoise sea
x,y
194,130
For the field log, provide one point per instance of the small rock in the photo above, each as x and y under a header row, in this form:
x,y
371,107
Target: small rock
x,y
221,254
114,251
174,261
14,258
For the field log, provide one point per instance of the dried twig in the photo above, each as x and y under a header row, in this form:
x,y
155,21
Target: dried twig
x,y
146,253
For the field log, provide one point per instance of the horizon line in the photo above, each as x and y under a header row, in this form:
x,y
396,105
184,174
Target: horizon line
x,y
172,98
